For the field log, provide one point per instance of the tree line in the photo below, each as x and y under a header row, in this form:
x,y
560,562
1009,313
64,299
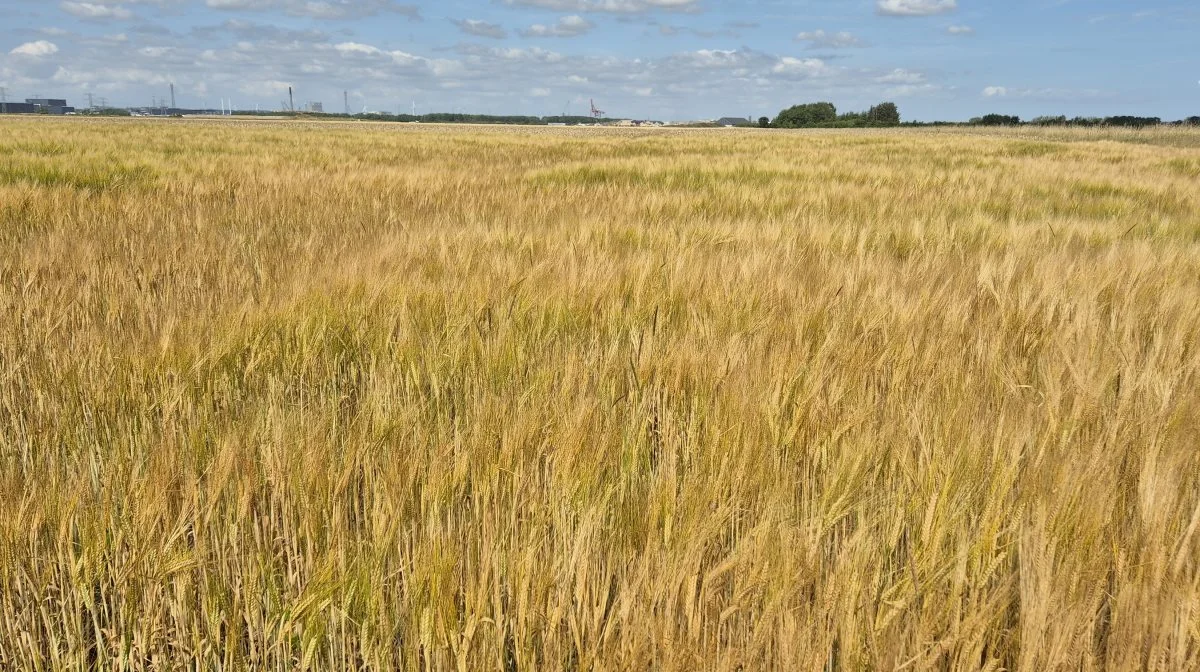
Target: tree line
x,y
825,115
1062,120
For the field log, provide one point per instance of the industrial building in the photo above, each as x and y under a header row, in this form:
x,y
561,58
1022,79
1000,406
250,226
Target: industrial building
x,y
37,106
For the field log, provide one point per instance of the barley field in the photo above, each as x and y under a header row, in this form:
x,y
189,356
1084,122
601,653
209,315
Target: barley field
x,y
321,396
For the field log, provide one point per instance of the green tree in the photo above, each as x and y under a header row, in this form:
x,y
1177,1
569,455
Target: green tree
x,y
852,119
802,116
764,122
996,120
1132,122
884,114
1049,121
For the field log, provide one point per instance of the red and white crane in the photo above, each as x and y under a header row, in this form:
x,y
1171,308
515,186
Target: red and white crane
x,y
596,112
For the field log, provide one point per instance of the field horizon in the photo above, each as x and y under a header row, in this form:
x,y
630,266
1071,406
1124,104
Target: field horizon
x,y
331,395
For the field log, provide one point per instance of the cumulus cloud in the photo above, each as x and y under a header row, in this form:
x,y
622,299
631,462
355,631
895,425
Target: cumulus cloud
x,y
610,6
251,31
481,28
36,49
349,48
731,29
89,10
1046,94
960,30
483,56
916,7
716,58
271,86
122,75
910,90
819,39
567,26
904,83
901,76
789,66
728,30
320,9
253,61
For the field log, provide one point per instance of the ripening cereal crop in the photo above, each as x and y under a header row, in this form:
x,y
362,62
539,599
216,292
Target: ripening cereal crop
x,y
312,396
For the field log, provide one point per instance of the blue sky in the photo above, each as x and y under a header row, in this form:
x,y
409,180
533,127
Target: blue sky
x,y
661,59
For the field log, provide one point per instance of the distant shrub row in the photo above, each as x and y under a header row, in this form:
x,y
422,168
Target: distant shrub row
x,y
825,115
1126,121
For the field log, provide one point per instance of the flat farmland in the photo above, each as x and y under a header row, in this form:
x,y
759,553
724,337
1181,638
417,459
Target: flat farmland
x,y
284,395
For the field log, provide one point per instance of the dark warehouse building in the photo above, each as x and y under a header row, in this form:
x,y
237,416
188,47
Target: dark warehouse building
x,y
38,106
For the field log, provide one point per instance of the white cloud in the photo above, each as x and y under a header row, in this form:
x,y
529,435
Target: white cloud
x,y
916,7
320,9
960,30
819,39
271,86
539,92
800,67
729,30
375,64
36,49
251,61
909,90
481,28
1048,94
357,48
901,76
567,26
610,6
120,75
517,55
715,58
240,4
89,10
